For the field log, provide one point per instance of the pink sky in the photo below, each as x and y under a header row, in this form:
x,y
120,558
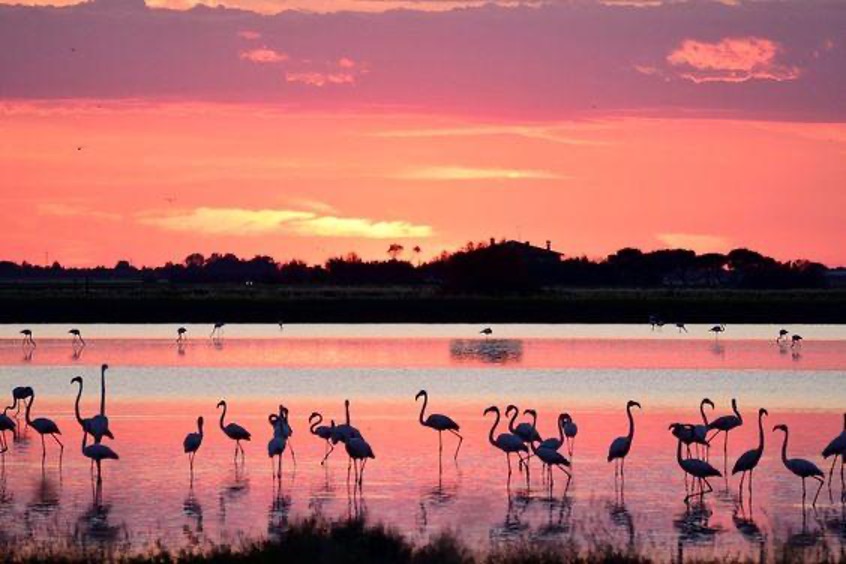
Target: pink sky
x,y
128,132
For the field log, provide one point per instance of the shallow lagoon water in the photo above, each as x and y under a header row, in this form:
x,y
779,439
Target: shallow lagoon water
x,y
156,391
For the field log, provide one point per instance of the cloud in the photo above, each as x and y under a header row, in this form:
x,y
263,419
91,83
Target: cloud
x,y
316,78
468,173
552,133
59,209
264,55
250,222
733,59
694,241
249,35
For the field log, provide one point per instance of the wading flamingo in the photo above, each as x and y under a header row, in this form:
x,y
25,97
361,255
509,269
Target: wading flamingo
x,y
233,431
700,432
800,467
550,457
192,443
725,424
717,329
439,423
276,445
180,334
217,330
698,469
487,332
782,334
6,424
27,337
359,451
20,394
748,461
570,431
286,430
345,431
506,442
97,453
97,426
44,426
795,341
621,446
322,431
837,447
77,336
555,443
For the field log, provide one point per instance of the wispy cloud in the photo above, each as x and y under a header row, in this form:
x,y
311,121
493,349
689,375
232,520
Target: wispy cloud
x,y
733,59
264,55
551,133
58,209
694,241
317,78
249,34
469,173
251,222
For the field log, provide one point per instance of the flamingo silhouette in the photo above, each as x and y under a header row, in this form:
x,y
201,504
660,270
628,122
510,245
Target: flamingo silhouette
x,y
439,423
621,446
555,443
748,461
725,424
6,424
359,451
217,330
570,431
192,443
97,453
233,431
322,431
782,334
276,445
487,332
800,467
717,329
795,341
837,447
44,426
506,442
97,426
77,336
180,334
27,337
696,468
550,458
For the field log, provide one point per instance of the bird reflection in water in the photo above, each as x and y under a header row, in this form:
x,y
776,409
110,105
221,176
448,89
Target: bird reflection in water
x,y
93,525
750,531
718,349
488,351
806,538
193,511
27,353
356,506
233,490
622,519
513,525
277,513
76,351
435,498
559,511
694,528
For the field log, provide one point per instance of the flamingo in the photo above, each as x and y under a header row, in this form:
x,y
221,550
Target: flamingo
x,y
506,442
97,453
487,332
217,330
527,432
44,426
698,469
782,334
800,467
344,432
621,446
285,429
6,424
717,329
27,337
439,423
233,431
725,424
192,443
94,426
322,431
681,327
77,336
358,450
700,432
19,395
570,431
795,341
276,445
748,461
654,320
837,447
180,334
555,443
551,457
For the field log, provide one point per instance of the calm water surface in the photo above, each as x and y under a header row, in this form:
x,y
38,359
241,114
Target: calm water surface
x,y
157,389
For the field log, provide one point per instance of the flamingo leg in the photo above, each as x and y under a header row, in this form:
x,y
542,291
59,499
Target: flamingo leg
x,y
740,487
330,448
819,489
293,456
803,492
508,458
43,449
460,440
440,445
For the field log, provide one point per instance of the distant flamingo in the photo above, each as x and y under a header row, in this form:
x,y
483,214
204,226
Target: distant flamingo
x,y
439,423
748,461
44,426
570,431
233,431
782,334
698,469
322,431
506,442
192,443
795,341
97,453
487,332
725,424
717,329
837,447
621,446
180,334
94,426
217,330
681,327
359,451
27,337
276,445
20,394
77,336
800,467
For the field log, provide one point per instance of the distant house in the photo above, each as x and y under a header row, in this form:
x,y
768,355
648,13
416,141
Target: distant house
x,y
531,254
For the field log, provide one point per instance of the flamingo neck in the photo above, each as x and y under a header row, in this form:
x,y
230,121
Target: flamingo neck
x,y
29,407
200,428
702,411
679,452
736,412
512,420
347,411
423,409
844,421
631,422
760,432
222,415
493,428
784,448
103,390
317,421
76,404
561,428
8,407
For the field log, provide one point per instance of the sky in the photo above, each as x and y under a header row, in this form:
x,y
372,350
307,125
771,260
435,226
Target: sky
x,y
310,129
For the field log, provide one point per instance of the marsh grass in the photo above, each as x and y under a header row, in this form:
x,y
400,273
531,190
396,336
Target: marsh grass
x,y
317,541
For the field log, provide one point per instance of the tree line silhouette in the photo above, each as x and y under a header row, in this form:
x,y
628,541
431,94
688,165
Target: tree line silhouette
x,y
491,267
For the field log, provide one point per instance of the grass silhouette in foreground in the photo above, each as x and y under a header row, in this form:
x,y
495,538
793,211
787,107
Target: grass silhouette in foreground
x,y
317,541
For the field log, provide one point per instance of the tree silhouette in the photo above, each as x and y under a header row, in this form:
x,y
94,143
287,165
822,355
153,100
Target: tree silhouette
x,y
395,250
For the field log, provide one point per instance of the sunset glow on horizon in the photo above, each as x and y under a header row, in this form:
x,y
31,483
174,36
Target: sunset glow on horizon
x,y
158,133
